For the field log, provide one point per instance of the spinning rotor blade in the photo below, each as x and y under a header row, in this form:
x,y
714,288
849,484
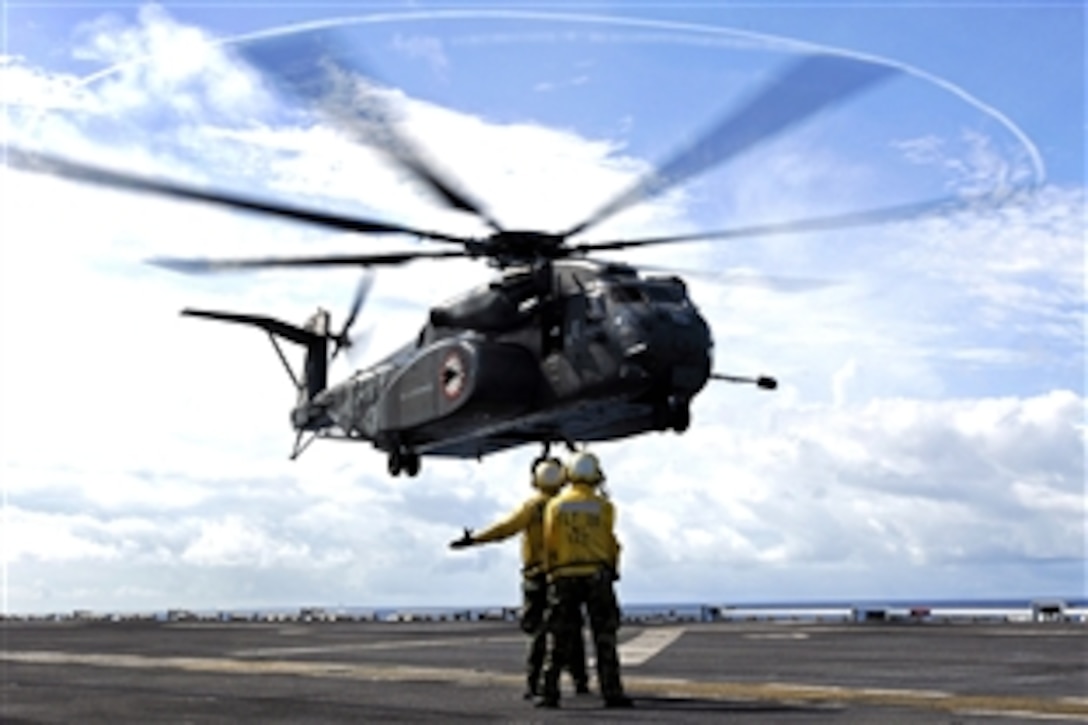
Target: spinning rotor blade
x,y
883,215
740,277
810,85
355,105
205,266
26,160
362,290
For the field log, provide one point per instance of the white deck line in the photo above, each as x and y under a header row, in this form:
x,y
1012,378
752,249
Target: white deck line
x,y
647,645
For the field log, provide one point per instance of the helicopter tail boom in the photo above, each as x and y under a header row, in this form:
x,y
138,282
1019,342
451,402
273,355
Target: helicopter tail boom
x,y
313,335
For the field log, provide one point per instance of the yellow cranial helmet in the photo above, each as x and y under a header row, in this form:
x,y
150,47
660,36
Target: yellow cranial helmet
x,y
583,467
548,475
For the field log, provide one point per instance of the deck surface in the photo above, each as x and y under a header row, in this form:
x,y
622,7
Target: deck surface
x,y
210,672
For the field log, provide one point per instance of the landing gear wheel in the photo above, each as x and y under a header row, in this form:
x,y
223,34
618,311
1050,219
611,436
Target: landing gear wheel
x,y
395,463
672,412
661,416
411,464
679,414
403,460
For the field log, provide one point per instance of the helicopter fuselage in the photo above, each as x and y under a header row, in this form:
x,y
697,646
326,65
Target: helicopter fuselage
x,y
569,351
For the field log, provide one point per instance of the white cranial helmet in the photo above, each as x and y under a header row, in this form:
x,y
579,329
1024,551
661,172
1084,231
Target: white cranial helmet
x,y
548,475
584,468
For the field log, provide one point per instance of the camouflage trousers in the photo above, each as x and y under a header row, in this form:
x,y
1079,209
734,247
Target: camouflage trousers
x,y
534,592
566,597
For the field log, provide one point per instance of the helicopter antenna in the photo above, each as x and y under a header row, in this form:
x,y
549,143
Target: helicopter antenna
x,y
764,382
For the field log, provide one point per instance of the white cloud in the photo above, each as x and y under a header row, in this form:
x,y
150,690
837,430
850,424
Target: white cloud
x,y
977,168
1027,258
865,490
25,86
235,540
878,487
841,380
189,73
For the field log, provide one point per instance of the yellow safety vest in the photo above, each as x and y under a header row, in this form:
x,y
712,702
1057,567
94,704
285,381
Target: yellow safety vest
x,y
579,536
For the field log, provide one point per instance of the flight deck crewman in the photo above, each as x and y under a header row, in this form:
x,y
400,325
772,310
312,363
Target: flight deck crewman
x,y
581,554
548,478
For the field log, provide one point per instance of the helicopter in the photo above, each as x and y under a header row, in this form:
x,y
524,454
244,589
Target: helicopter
x,y
560,346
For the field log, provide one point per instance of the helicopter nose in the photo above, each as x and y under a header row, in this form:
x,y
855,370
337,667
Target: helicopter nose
x,y
676,340
685,346
683,333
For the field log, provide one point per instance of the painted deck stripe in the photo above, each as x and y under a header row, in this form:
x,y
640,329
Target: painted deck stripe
x,y
1025,715
648,644
363,646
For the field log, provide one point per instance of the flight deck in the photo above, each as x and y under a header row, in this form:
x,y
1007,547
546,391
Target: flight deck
x,y
472,671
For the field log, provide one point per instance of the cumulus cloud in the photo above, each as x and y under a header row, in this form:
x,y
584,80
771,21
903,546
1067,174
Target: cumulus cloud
x,y
874,492
144,455
188,73
891,487
30,87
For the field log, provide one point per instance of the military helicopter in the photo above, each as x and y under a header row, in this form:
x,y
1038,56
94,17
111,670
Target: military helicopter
x,y
560,347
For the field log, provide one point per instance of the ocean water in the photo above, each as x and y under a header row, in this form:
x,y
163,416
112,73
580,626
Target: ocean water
x,y
1074,608
680,611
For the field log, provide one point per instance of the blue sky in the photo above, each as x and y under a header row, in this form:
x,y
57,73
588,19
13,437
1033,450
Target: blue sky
x,y
991,48
928,438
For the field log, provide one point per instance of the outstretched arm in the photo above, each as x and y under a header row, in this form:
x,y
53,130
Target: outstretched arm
x,y
515,523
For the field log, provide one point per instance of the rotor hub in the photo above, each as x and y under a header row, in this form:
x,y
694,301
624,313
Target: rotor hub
x,y
511,247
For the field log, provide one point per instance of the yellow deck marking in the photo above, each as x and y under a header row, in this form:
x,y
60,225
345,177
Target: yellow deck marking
x,y
1017,706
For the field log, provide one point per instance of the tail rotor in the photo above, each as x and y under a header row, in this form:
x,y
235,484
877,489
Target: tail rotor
x,y
344,340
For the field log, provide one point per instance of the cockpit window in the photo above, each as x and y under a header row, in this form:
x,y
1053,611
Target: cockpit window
x,y
670,293
624,293
595,309
663,293
517,287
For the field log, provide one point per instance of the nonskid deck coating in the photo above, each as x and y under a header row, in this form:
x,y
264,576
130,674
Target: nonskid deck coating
x,y
53,672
